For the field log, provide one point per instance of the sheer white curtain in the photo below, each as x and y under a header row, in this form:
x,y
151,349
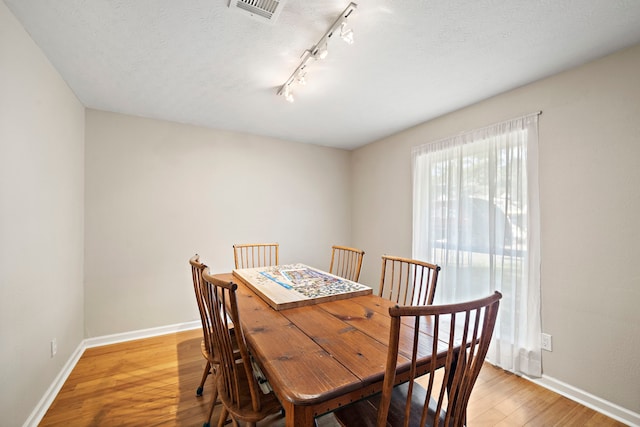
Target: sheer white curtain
x,y
476,214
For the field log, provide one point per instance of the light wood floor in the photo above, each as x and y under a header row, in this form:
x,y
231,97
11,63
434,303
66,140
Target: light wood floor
x,y
152,382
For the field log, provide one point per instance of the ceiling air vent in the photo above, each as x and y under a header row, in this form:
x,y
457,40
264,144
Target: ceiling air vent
x,y
264,10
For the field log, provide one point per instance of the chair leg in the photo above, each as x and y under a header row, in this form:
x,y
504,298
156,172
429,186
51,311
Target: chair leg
x,y
205,374
214,401
223,417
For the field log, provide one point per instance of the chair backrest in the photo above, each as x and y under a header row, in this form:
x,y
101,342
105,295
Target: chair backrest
x,y
408,281
197,268
236,378
449,326
253,255
346,262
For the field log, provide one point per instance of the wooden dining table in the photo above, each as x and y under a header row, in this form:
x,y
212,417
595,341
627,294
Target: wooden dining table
x,y
320,357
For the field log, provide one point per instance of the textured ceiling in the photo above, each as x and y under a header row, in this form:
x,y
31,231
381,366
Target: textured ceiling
x,y
202,63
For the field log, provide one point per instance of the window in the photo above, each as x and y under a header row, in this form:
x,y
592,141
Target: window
x,y
476,215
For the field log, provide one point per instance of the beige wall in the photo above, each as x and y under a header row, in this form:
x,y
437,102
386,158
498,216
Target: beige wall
x,y
158,192
590,205
41,221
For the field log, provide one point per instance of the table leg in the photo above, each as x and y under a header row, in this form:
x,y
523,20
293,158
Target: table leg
x,y
298,416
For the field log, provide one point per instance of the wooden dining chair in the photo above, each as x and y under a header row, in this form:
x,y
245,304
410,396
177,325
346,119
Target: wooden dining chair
x,y
196,272
207,345
254,255
346,262
241,396
408,281
443,399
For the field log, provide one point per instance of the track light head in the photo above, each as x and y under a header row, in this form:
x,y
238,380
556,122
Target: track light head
x,y
320,51
301,78
346,33
288,94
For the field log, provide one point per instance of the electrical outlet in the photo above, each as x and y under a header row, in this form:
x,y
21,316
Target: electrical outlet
x,y
54,347
545,342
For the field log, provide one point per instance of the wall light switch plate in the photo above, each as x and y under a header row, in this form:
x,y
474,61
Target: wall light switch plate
x,y
54,347
545,342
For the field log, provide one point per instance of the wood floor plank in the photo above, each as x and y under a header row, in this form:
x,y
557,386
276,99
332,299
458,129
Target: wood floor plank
x,y
152,382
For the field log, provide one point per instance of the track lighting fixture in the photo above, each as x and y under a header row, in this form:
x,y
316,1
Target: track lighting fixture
x,y
319,51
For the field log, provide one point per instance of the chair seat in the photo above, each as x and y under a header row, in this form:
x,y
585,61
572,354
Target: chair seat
x,y
364,413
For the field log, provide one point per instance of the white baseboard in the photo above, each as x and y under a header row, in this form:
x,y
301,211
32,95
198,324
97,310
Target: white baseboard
x,y
47,399
142,333
589,400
